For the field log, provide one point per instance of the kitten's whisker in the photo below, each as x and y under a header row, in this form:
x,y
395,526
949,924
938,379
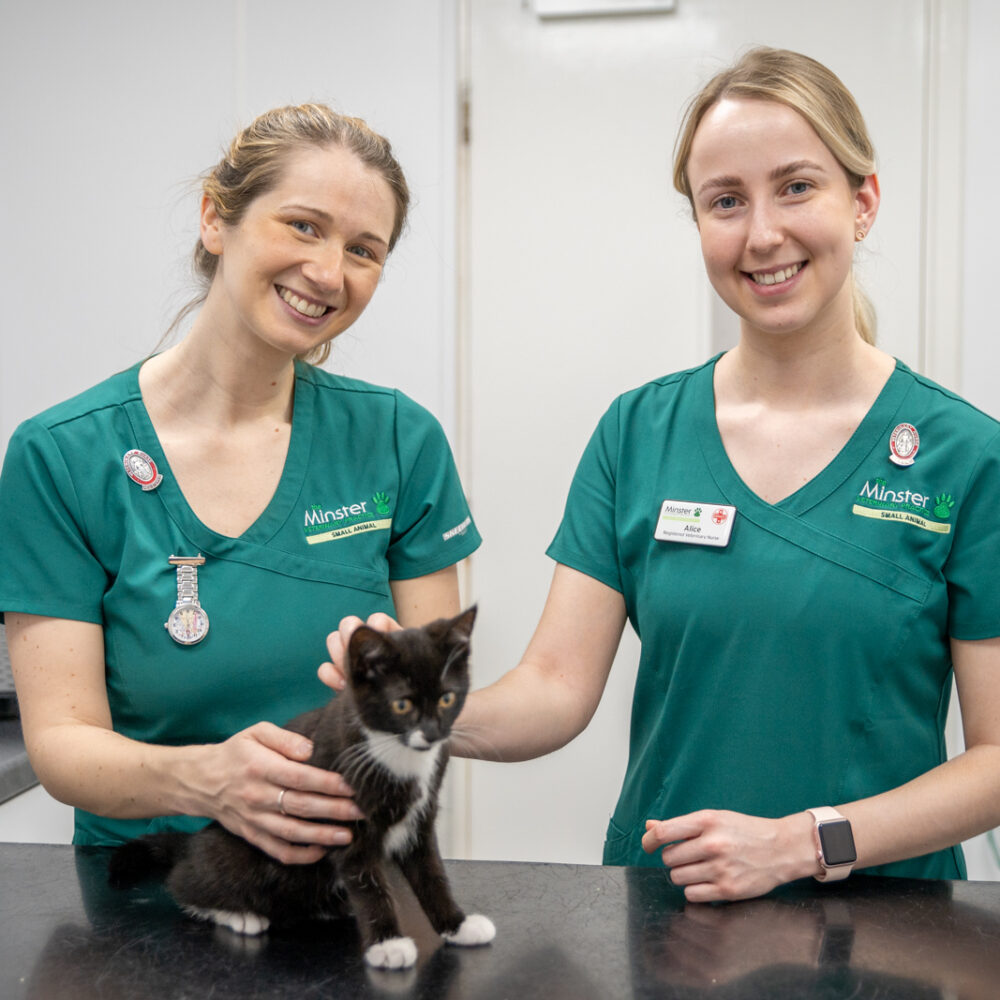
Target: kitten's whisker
x,y
473,737
358,765
348,757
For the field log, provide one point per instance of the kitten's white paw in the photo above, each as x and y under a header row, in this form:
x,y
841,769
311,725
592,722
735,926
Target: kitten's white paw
x,y
474,929
393,953
241,923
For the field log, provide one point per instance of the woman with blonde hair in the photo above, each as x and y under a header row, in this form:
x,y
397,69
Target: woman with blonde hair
x,y
801,533
175,540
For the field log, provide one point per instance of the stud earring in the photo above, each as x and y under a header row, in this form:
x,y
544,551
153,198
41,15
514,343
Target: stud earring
x,y
860,235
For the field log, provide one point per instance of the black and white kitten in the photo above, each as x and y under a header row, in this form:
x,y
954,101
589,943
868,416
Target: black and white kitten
x,y
387,734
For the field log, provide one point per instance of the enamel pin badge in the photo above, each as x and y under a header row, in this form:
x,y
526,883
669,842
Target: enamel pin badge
x,y
904,442
141,469
188,622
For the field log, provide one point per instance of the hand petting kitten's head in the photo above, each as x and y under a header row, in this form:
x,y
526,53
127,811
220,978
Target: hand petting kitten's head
x,y
411,683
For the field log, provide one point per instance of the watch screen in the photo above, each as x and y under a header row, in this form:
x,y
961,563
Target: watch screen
x,y
837,842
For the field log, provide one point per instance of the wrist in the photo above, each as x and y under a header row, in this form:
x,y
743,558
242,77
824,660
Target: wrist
x,y
834,842
801,846
190,781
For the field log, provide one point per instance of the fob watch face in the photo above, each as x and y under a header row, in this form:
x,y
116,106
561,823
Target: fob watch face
x,y
187,624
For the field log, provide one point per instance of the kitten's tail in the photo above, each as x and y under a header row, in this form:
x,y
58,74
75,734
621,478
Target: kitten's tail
x,y
149,856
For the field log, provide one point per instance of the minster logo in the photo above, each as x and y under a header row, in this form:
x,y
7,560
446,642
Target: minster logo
x,y
876,500
328,524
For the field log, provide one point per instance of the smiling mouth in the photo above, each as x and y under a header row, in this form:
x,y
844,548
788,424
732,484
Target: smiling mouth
x,y
303,306
775,277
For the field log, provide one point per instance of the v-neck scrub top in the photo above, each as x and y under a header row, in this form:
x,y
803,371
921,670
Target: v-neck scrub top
x,y
369,494
806,662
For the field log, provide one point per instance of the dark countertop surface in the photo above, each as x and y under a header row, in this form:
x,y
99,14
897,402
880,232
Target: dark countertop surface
x,y
564,932
16,775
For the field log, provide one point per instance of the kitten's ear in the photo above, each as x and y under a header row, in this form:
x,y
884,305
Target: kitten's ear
x,y
460,628
367,652
457,637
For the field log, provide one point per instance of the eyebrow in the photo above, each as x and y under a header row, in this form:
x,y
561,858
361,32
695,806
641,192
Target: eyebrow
x,y
719,182
786,170
328,218
794,167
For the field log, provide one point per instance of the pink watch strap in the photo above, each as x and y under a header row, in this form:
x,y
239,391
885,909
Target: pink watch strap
x,y
832,873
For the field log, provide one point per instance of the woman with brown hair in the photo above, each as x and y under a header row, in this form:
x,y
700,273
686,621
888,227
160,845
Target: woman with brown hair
x,y
175,540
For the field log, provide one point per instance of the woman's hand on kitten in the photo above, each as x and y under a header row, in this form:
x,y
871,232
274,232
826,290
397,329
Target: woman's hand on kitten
x,y
333,673
249,772
716,854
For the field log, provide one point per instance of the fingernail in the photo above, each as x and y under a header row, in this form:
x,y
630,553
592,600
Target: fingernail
x,y
305,747
342,836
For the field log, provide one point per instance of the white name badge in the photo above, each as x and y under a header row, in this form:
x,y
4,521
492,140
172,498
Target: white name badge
x,y
695,523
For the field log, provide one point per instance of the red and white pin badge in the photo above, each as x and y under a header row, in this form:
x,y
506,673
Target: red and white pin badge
x,y
904,443
141,469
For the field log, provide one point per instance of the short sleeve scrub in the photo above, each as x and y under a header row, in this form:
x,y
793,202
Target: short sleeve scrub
x,y
369,494
803,659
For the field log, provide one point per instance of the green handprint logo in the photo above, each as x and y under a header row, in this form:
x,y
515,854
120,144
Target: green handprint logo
x,y
943,505
381,501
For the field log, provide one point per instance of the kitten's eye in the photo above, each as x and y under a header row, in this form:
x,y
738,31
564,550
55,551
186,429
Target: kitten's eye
x,y
401,706
447,699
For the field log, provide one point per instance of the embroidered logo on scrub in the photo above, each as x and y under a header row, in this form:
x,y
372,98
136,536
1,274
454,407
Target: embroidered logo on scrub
x,y
878,500
330,525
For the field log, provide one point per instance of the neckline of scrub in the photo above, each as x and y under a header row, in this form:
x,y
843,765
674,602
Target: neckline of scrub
x,y
287,491
876,425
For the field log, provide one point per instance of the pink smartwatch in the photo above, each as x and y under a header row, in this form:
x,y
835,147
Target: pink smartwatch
x,y
834,844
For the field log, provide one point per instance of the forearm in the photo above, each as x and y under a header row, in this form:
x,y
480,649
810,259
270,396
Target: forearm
x,y
956,800
951,803
96,769
717,854
551,696
525,714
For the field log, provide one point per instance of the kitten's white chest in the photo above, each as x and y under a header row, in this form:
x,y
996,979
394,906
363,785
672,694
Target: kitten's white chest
x,y
399,837
405,762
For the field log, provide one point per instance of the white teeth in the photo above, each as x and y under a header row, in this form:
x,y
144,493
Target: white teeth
x,y
300,305
775,277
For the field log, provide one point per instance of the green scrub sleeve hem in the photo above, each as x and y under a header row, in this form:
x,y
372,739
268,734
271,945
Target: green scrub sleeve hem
x,y
40,608
574,560
472,542
973,632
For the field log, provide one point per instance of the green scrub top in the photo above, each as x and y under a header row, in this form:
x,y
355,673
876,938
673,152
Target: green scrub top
x,y
806,662
369,493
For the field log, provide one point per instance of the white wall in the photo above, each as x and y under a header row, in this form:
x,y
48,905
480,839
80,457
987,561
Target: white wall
x,y
34,817
112,107
980,342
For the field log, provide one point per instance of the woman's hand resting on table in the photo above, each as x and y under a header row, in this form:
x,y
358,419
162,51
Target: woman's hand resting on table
x,y
715,854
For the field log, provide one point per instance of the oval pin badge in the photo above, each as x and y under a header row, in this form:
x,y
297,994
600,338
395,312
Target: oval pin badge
x,y
904,442
141,469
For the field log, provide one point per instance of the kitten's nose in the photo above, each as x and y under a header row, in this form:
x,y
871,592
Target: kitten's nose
x,y
418,741
431,731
